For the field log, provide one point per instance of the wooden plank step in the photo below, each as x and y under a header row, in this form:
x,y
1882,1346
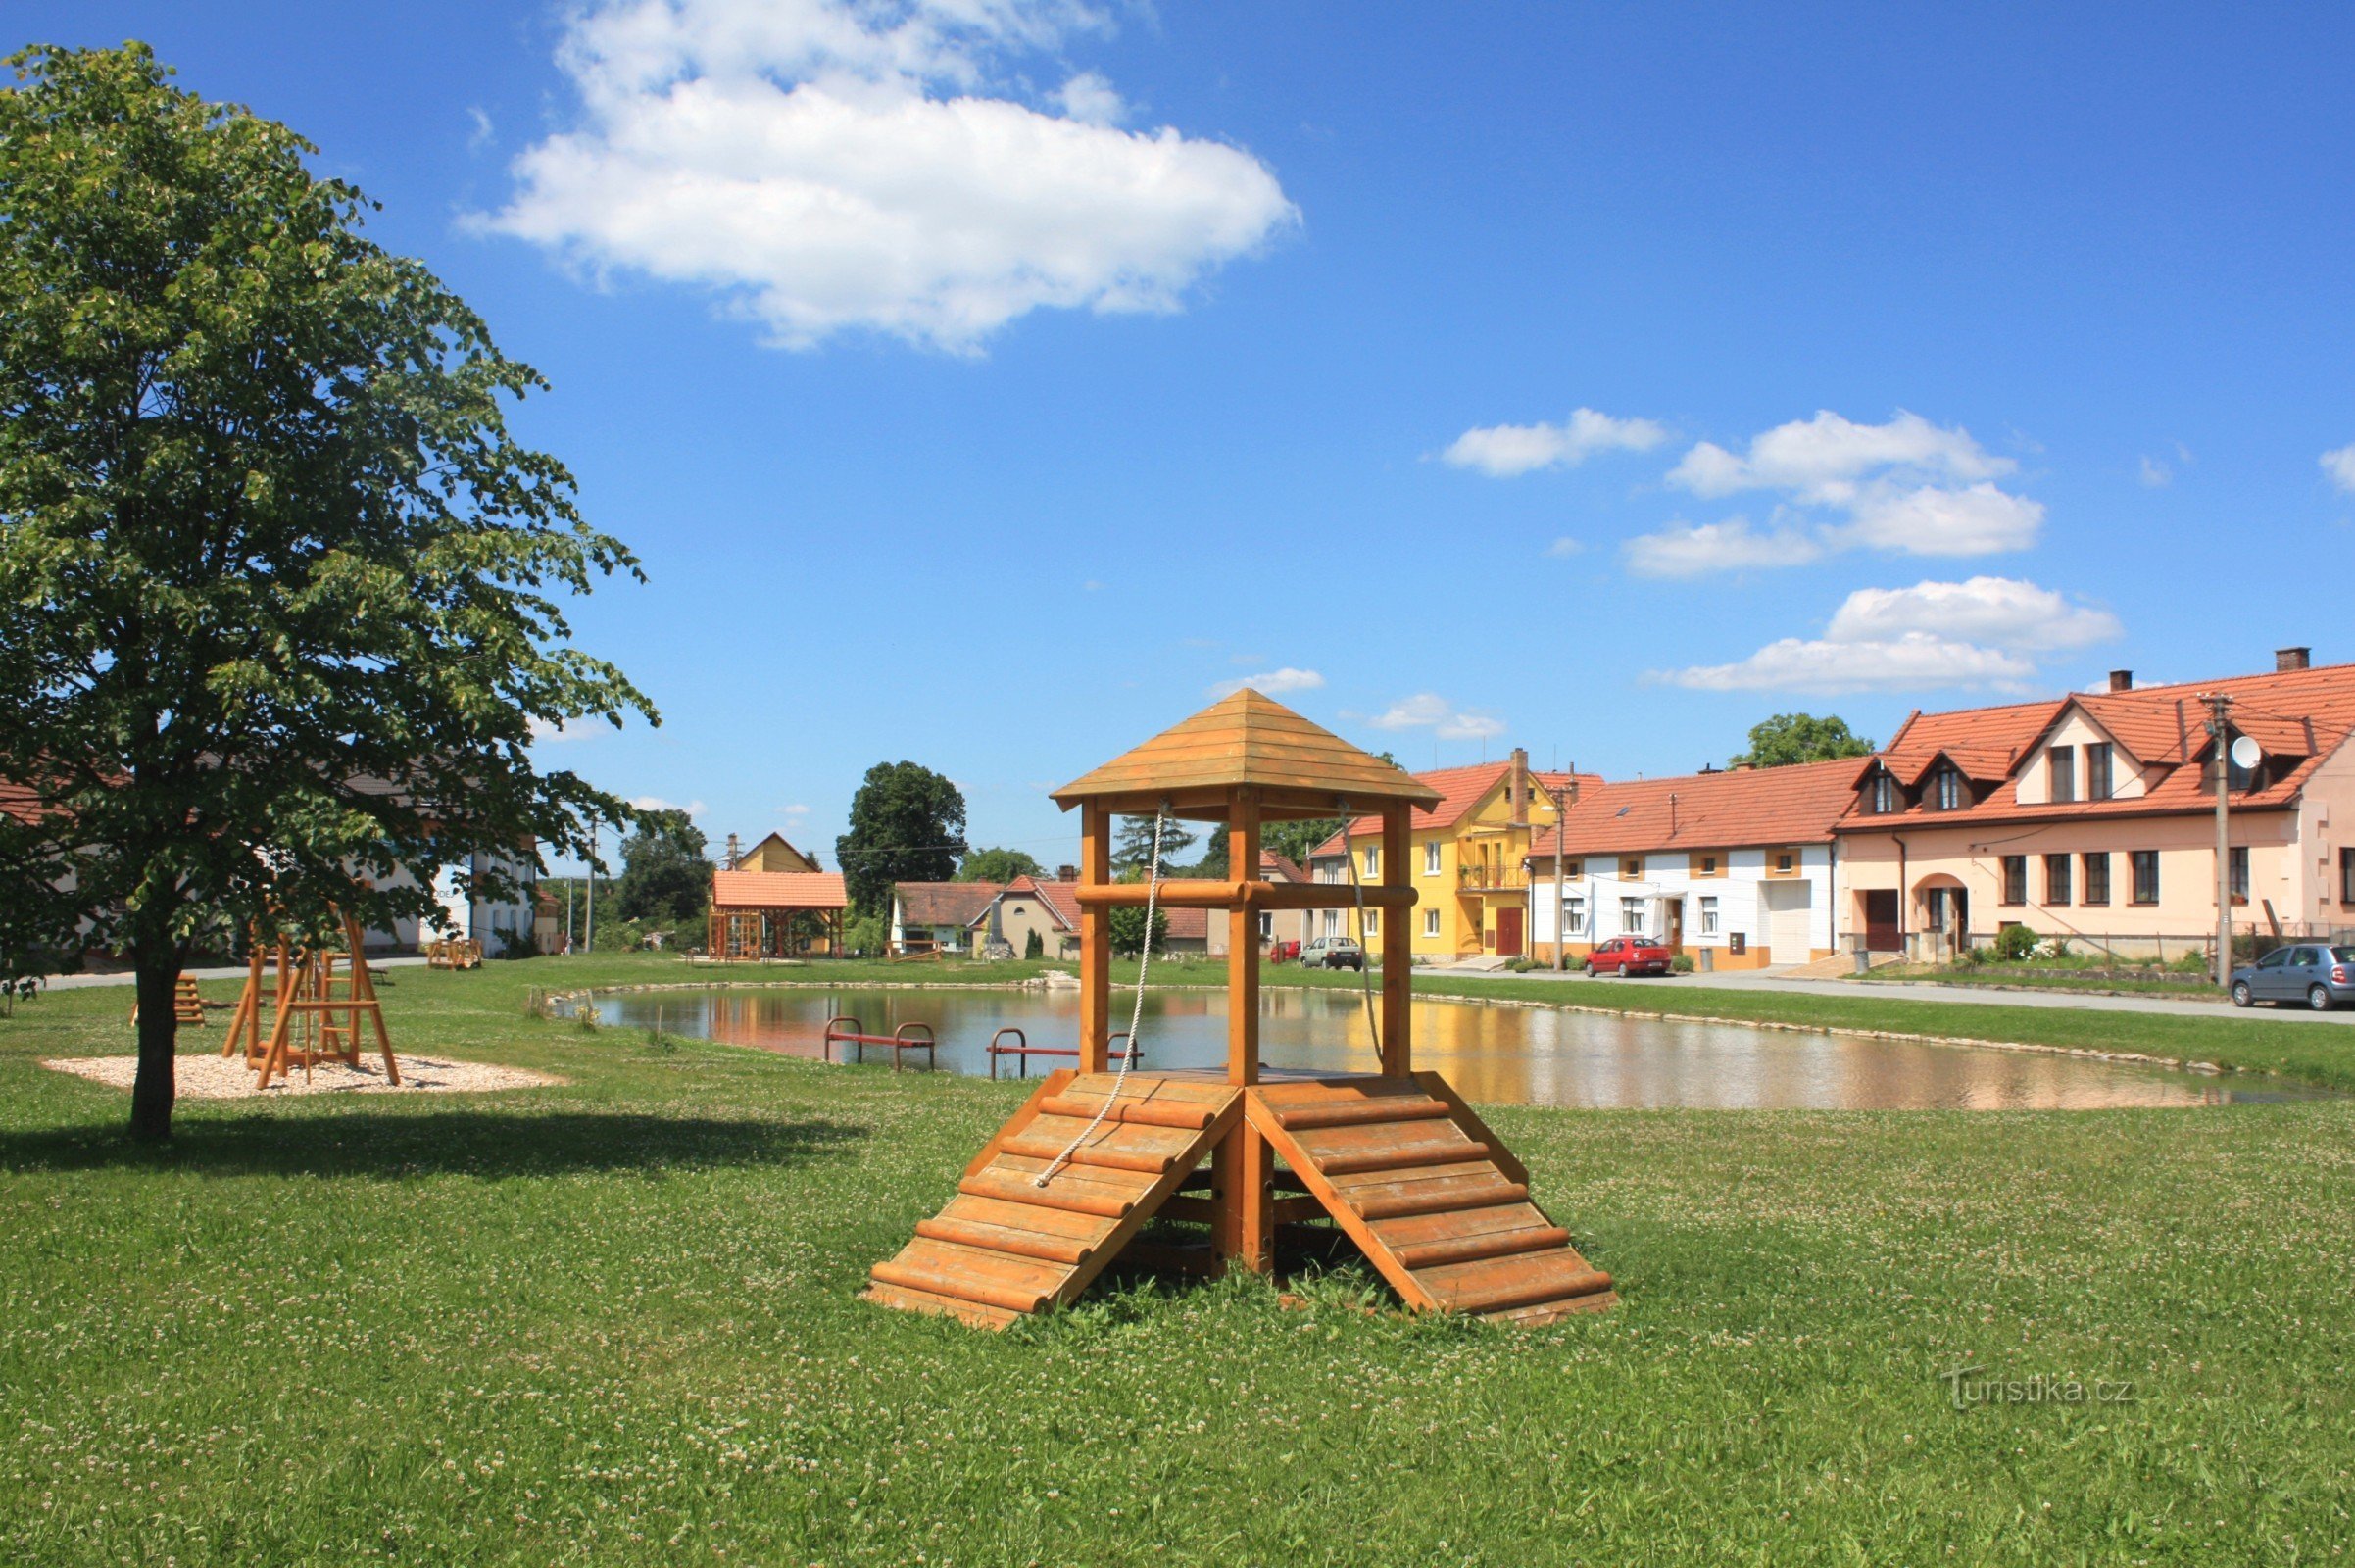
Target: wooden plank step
x,y
1363,1109
1389,1146
1281,1097
1498,1284
973,1274
1182,1091
1005,1181
1187,1115
1010,1240
1414,1230
1059,1223
978,1314
1470,1192
1118,1144
1473,1249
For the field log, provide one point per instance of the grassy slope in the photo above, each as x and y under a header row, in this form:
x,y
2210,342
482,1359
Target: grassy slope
x,y
616,1322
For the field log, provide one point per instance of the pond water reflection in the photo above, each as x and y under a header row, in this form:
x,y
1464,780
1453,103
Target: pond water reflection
x,y
1528,1056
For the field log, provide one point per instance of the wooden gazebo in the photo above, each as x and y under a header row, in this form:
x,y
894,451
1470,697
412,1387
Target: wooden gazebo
x,y
775,915
1392,1157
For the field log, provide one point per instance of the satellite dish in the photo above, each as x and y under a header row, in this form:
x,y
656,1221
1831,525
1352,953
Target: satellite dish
x,y
2246,753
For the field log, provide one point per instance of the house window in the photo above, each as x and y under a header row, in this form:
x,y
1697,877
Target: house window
x,y
2346,876
1881,794
2097,879
2146,876
2056,880
1431,922
2100,770
2063,772
1787,862
1431,858
1332,922
1574,917
1267,925
2238,872
1708,925
1946,792
1941,907
1631,916
1630,867
1373,862
1373,923
1704,865
2015,879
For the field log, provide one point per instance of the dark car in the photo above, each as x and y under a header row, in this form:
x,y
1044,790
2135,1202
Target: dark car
x,y
2321,977
1626,956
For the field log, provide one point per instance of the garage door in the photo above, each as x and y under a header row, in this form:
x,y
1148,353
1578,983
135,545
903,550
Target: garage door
x,y
1786,921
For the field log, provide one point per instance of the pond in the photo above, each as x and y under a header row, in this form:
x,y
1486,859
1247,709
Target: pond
x,y
1525,1055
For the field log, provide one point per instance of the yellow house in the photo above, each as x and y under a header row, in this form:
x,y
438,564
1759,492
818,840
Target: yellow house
x,y
1468,851
772,854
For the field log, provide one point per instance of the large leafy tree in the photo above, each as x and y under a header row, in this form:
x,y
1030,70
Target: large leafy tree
x,y
1788,738
908,824
277,620
666,878
1133,841
998,865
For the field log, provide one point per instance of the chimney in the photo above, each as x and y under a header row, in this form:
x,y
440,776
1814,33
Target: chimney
x,y
1520,786
2122,680
735,850
1740,768
1066,873
2292,657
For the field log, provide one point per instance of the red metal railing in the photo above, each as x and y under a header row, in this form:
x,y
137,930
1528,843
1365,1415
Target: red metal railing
x,y
908,1037
1022,1050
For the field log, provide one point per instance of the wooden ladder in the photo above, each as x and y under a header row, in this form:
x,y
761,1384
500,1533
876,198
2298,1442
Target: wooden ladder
x,y
1435,1201
1005,1246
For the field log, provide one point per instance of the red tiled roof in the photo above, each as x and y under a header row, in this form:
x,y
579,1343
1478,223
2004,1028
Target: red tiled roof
x,y
1274,867
778,890
1460,790
1984,742
1794,804
943,903
21,803
1061,900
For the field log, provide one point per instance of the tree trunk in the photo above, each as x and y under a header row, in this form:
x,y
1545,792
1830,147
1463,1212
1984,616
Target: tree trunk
x,y
156,968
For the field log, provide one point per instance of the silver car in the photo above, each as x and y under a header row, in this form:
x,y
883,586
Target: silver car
x,y
1332,952
2319,976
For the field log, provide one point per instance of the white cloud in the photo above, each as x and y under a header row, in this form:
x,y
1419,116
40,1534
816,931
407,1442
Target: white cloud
x,y
793,810
1503,451
1818,457
1911,661
827,166
1565,546
1272,682
2339,464
482,134
1978,521
656,802
1688,549
2002,611
549,729
2154,474
1427,711
1907,486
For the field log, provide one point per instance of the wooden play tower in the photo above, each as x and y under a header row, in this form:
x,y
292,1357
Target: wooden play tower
x,y
1392,1157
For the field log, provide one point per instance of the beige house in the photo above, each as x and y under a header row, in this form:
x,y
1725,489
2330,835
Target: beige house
x,y
2094,818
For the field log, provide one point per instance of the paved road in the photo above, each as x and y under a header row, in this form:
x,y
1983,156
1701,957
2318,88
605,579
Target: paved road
x,y
77,982
1959,996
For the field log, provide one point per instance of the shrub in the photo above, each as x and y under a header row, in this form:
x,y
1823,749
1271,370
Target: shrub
x,y
1682,963
1034,946
2015,944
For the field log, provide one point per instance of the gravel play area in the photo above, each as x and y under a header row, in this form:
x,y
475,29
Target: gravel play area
x,y
216,1077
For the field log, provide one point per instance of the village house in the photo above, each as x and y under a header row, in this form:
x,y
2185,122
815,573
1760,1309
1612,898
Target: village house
x,y
1467,861
941,918
1733,868
2094,818
772,854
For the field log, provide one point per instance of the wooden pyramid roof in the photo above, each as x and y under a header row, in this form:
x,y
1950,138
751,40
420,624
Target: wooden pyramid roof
x,y
1250,738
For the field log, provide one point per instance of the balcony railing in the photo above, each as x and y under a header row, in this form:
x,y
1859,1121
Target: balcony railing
x,y
1486,878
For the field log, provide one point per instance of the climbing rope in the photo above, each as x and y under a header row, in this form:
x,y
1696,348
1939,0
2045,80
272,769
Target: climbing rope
x,y
1365,967
1136,1017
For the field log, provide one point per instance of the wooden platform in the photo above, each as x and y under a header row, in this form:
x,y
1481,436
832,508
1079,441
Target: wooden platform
x,y
1402,1166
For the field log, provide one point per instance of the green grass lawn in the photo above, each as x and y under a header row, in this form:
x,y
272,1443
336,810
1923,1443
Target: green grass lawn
x,y
616,1322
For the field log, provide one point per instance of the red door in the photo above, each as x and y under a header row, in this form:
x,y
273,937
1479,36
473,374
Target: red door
x,y
1508,933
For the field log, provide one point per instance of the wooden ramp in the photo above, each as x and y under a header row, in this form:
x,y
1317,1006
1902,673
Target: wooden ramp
x,y
1408,1171
1006,1246
1435,1201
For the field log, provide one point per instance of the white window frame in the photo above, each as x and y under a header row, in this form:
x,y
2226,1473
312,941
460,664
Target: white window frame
x,y
1372,922
1708,915
1631,915
1373,861
1431,924
1574,915
1431,858
1332,922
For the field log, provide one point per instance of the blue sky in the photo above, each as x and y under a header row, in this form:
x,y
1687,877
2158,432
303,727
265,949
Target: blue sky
x,y
985,382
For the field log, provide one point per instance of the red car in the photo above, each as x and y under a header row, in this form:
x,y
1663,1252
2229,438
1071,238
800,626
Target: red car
x,y
1283,951
1628,955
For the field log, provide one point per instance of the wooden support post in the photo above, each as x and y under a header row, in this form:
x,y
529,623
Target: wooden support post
x,y
1243,1167
1094,941
1398,948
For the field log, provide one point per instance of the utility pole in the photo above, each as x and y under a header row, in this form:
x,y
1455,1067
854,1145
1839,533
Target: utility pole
x,y
2220,704
569,949
1561,923
588,939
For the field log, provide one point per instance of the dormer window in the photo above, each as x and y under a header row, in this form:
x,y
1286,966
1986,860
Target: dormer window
x,y
1880,798
1947,791
2063,767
